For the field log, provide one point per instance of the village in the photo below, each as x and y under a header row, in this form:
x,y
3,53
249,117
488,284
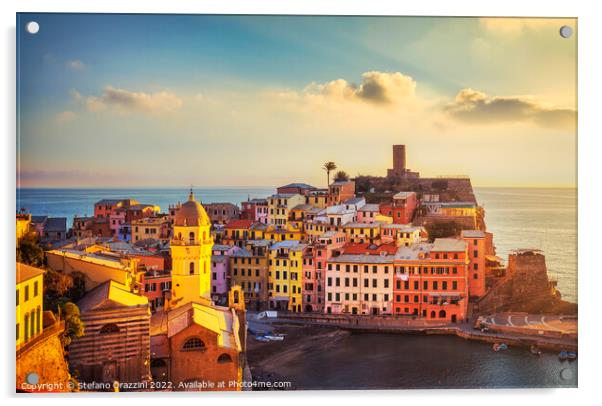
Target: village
x,y
166,299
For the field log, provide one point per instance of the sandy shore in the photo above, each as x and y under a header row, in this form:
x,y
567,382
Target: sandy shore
x,y
264,358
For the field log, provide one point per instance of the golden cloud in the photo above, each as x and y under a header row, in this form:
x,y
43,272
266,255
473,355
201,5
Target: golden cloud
x,y
127,101
376,87
472,106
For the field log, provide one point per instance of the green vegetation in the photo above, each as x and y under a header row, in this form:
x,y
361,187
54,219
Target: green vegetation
x,y
341,176
329,167
29,251
74,327
443,230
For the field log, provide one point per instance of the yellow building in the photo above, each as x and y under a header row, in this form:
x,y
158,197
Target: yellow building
x,y
363,232
90,269
150,227
288,232
279,207
458,209
317,198
23,222
30,286
191,249
285,275
314,229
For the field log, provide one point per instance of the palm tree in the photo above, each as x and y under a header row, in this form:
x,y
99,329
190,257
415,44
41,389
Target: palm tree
x,y
328,167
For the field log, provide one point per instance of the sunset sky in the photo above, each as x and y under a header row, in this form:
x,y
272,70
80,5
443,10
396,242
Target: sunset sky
x,y
145,101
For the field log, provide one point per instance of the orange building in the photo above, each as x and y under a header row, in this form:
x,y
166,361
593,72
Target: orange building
x,y
431,280
340,191
477,252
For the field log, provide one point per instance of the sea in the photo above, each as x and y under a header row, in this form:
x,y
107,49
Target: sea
x,y
538,218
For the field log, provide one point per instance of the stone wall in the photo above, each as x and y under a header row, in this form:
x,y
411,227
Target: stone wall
x,y
43,356
525,287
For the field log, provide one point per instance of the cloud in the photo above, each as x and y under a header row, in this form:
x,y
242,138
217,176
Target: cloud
x,y
376,87
65,117
517,26
472,106
76,64
127,101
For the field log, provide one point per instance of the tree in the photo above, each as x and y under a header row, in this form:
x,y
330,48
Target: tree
x,y
29,251
328,167
58,290
443,230
341,176
74,327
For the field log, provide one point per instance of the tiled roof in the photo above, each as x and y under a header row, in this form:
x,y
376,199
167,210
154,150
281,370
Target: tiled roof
x,y
239,224
25,272
364,259
449,245
473,233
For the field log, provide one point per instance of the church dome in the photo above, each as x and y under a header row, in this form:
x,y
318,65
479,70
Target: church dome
x,y
191,214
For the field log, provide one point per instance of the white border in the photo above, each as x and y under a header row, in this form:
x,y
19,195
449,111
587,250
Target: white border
x,y
589,185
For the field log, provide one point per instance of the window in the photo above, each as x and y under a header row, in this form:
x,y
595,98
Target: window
x,y
35,288
191,268
109,328
224,358
17,297
193,344
26,293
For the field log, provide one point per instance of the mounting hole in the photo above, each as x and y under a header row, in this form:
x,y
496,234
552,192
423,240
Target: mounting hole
x,y
32,27
566,31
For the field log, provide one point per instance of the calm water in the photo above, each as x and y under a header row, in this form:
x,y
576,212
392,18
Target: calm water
x,y
519,218
388,361
536,218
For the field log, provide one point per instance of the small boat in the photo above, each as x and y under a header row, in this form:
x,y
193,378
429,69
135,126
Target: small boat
x,y
535,350
274,337
572,356
499,347
262,339
563,355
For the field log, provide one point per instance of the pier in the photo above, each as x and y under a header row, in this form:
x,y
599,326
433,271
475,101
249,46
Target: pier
x,y
559,334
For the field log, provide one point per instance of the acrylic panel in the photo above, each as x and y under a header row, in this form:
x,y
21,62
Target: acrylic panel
x,y
174,231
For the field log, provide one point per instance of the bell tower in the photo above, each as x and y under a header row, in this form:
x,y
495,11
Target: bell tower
x,y
190,250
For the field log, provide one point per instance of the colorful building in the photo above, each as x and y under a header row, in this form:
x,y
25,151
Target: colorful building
x,y
402,234
279,207
363,232
249,270
296,188
30,299
477,253
255,209
23,224
105,207
222,213
157,228
285,275
403,207
431,280
317,198
340,191
360,284
368,213
315,259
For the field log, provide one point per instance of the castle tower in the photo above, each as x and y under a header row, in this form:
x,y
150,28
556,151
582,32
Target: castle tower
x,y
190,249
399,159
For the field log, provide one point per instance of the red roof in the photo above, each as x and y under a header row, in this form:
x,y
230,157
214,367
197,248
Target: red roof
x,y
239,224
370,249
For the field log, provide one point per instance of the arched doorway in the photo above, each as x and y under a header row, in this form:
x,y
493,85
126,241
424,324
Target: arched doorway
x,y
159,370
442,314
454,318
433,314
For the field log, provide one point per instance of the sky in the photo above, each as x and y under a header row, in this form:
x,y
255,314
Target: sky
x,y
234,101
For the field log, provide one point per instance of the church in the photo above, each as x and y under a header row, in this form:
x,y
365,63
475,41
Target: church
x,y
196,344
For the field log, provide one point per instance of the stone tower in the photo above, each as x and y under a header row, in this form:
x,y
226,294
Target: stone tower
x,y
190,249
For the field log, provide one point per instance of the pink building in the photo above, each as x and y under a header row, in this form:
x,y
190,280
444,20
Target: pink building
x,y
104,207
367,213
220,259
315,258
256,210
116,221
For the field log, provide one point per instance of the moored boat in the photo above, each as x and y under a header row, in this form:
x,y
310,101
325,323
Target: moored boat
x,y
563,355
